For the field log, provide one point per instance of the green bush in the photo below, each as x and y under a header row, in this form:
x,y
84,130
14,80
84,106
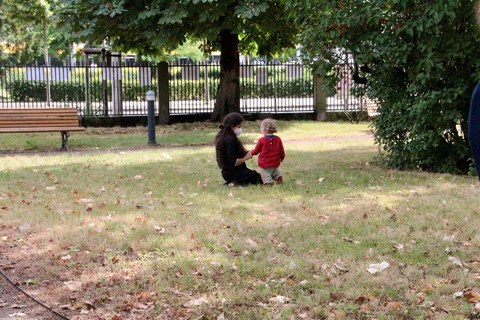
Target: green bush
x,y
284,88
36,91
178,90
133,92
420,63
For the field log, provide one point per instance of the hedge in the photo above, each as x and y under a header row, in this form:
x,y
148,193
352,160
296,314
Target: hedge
x,y
185,90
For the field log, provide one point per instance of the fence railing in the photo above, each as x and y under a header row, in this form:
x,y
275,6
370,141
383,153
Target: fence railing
x,y
120,90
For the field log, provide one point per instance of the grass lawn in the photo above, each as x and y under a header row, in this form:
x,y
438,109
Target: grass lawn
x,y
151,233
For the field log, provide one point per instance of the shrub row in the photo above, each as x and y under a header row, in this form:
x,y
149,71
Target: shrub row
x,y
185,90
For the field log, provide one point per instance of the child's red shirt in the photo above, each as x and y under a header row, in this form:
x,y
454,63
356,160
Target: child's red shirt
x,y
270,148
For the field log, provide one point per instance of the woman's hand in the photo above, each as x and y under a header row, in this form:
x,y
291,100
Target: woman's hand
x,y
247,156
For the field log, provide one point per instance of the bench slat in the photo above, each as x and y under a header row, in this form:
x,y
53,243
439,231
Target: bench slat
x,y
49,125
43,129
38,110
14,122
38,115
39,120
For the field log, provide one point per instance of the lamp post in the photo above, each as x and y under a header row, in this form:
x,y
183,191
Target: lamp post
x,y
151,116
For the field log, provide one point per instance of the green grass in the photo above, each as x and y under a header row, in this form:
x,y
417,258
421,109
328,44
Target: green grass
x,y
156,227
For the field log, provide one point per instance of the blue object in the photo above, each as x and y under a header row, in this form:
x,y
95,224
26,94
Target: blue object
x,y
474,127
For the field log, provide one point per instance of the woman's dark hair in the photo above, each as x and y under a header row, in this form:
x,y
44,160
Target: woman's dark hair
x,y
231,120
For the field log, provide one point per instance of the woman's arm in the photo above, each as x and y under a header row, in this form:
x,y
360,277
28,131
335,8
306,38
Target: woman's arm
x,y
230,155
247,156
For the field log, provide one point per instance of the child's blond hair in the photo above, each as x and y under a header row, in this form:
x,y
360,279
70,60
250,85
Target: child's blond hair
x,y
268,126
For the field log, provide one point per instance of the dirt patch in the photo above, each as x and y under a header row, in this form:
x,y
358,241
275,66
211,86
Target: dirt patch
x,y
14,304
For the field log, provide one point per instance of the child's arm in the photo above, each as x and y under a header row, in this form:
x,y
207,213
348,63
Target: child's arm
x,y
282,151
258,147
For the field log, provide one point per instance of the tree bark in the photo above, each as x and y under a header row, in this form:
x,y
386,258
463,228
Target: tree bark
x,y
228,94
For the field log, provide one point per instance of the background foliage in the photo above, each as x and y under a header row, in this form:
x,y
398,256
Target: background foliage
x,y
21,29
419,58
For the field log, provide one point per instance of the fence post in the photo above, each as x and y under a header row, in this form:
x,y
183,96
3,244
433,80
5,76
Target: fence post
x,y
151,117
319,98
162,89
207,86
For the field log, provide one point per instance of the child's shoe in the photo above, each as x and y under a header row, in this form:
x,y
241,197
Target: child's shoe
x,y
280,180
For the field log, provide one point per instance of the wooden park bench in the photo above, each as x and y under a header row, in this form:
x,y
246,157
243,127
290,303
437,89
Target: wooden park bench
x,y
61,120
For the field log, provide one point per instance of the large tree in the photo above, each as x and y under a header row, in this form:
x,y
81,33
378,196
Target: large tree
x,y
154,27
419,59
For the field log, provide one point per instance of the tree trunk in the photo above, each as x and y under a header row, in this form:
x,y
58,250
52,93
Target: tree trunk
x,y
228,94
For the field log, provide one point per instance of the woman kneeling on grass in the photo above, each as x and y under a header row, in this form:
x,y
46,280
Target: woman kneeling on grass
x,y
231,155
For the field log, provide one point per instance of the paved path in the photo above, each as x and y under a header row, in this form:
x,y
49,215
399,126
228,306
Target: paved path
x,y
3,153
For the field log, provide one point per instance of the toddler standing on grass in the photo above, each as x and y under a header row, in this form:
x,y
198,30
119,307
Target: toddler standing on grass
x,y
270,148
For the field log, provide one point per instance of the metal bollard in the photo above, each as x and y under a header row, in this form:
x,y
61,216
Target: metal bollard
x,y
151,117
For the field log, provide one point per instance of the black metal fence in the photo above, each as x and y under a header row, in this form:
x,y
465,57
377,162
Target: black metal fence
x,y
121,90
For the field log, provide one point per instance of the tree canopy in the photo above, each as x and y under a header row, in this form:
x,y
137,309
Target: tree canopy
x,y
21,29
419,58
156,27
26,28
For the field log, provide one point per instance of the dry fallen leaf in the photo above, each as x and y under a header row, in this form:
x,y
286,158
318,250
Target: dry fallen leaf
x,y
340,266
303,283
398,247
17,314
378,267
251,243
472,296
456,261
73,285
140,220
196,302
323,218
66,257
52,177
279,299
159,230
394,305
